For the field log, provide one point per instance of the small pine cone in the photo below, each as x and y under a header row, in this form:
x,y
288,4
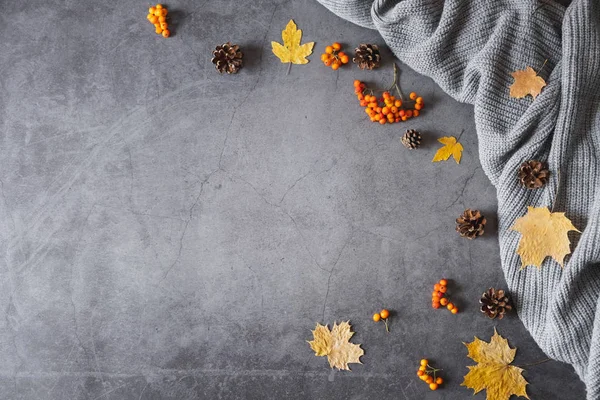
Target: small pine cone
x,y
495,303
470,224
533,174
227,58
367,56
411,139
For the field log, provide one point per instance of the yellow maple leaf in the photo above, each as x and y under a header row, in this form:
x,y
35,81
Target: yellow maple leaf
x,y
451,148
292,51
526,82
544,234
335,344
493,372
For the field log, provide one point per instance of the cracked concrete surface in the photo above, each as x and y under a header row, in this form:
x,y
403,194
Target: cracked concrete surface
x,y
172,233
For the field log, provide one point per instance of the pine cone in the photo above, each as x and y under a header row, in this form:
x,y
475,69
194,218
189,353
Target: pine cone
x,y
227,58
495,303
533,174
411,139
470,224
367,56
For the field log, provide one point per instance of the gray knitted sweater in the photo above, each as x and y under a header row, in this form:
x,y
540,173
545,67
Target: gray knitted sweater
x,y
470,48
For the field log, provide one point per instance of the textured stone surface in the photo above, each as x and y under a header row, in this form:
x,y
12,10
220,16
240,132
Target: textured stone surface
x,y
171,233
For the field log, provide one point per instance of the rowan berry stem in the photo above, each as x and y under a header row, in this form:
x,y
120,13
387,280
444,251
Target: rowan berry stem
x,y
387,328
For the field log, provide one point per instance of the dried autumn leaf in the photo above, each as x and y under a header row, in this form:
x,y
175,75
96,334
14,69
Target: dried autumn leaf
x,y
451,148
335,344
292,51
544,234
526,82
493,372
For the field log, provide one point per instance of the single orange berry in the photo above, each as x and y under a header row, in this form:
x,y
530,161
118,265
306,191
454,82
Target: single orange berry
x,y
324,57
419,100
398,103
394,110
398,120
336,46
164,26
166,33
328,49
402,113
412,95
162,19
382,121
159,6
149,16
435,294
433,386
423,368
158,30
344,59
153,19
356,83
378,117
385,111
439,380
436,287
360,96
404,118
434,305
378,109
423,377
341,54
376,317
151,10
443,282
420,373
454,310
328,62
164,12
409,113
450,306
415,113
429,380
418,106
443,289
384,313
444,301
386,95
157,12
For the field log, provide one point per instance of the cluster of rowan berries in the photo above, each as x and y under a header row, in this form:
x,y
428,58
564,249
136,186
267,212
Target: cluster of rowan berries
x,y
428,375
439,298
334,57
388,108
382,315
157,15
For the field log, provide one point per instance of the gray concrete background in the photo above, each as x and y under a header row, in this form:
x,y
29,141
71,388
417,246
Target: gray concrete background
x,y
170,233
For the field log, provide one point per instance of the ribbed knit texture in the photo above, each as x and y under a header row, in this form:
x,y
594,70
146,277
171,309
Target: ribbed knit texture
x,y
470,48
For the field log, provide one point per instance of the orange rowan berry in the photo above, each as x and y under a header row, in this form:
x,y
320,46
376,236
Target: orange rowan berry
x,y
423,377
398,103
419,100
429,380
436,287
344,59
394,110
450,306
398,119
443,282
409,113
402,113
162,19
164,26
376,317
158,30
444,301
382,121
378,117
356,83
159,6
335,65
149,16
153,19
420,372
439,380
433,386
328,62
454,310
378,109
385,111
363,103
424,362
418,106
415,113
423,368
329,50
151,10
164,12
324,57
443,289
435,305
384,313
404,118
412,95
166,33
360,96
336,46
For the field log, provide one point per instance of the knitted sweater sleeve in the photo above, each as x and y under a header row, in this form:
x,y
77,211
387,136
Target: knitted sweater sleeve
x,y
470,48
